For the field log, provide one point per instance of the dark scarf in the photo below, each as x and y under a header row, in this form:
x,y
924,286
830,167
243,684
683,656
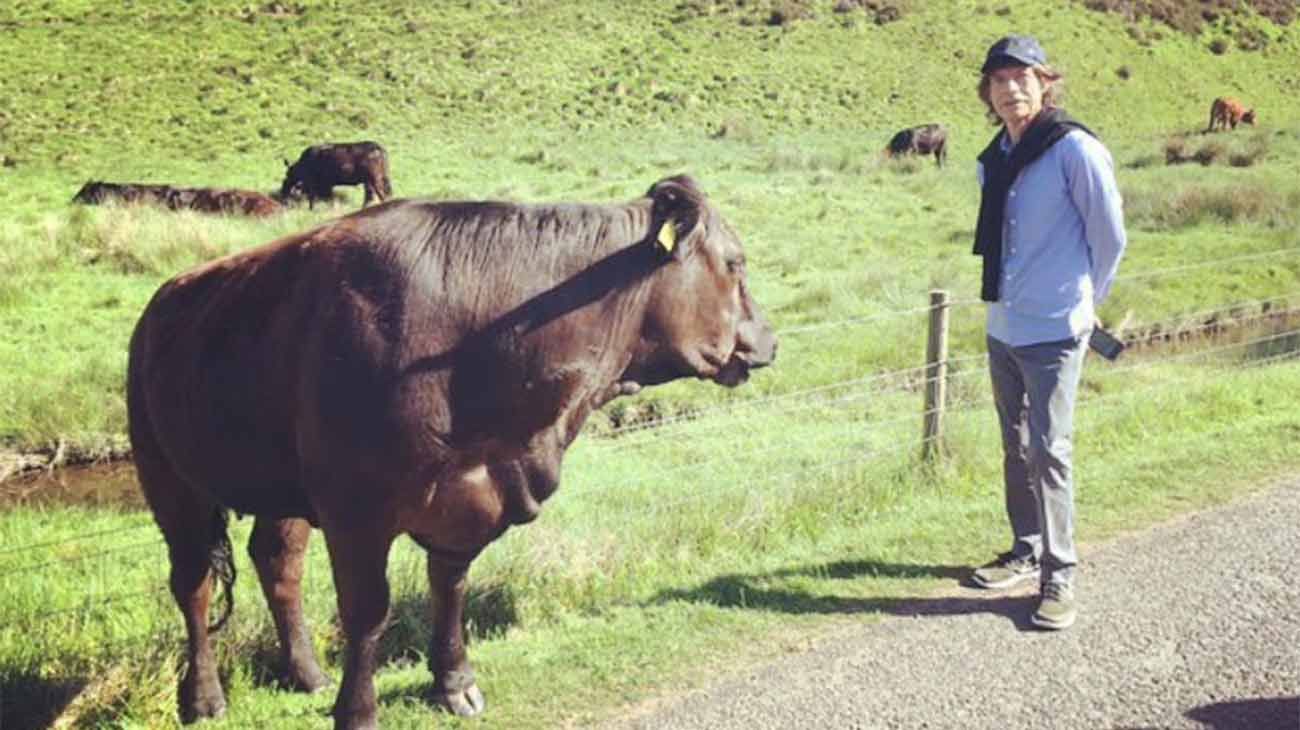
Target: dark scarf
x,y
1000,171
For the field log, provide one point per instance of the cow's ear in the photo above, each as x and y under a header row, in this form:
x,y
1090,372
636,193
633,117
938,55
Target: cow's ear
x,y
675,216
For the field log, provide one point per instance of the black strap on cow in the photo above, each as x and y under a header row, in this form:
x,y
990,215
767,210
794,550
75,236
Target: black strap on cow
x,y
1000,170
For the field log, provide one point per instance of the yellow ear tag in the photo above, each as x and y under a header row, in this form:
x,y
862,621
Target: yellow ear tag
x,y
668,236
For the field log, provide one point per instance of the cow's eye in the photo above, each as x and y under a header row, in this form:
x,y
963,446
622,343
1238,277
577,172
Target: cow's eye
x,y
735,266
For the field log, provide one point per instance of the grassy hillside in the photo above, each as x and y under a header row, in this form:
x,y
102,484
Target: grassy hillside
x,y
223,90
593,100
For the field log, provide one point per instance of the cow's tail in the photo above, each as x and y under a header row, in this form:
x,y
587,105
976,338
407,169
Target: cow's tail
x,y
387,186
1213,109
221,559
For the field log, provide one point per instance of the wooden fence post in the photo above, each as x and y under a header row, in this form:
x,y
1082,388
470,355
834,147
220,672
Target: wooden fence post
x,y
936,373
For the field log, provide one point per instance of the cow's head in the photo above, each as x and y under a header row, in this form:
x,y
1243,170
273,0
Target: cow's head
x,y
700,319
90,193
1249,116
293,184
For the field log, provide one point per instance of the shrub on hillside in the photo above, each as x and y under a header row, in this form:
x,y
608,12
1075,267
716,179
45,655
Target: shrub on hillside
x,y
1251,39
1209,152
881,11
1236,155
1190,17
785,12
1176,150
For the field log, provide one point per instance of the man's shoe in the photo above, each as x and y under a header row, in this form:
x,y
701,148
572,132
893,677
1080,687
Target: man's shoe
x,y
1006,571
1056,611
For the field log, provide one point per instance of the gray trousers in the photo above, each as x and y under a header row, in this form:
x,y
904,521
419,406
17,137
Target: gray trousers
x,y
1034,389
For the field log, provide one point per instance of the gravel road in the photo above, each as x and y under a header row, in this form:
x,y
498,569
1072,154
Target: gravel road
x,y
1191,624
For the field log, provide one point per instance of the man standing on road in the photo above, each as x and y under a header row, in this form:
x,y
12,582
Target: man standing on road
x,y
1051,233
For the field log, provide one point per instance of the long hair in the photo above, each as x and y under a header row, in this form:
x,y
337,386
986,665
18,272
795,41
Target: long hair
x,y
1053,90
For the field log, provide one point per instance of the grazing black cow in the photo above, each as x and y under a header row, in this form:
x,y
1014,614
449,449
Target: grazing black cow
x,y
320,167
416,368
923,140
96,192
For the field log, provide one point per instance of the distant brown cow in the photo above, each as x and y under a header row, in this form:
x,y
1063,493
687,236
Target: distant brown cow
x,y
416,368
96,192
320,167
923,140
226,201
1226,112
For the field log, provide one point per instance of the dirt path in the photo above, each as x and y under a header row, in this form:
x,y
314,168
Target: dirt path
x,y
1192,624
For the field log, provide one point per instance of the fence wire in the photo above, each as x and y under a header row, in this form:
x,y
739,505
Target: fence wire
x,y
799,455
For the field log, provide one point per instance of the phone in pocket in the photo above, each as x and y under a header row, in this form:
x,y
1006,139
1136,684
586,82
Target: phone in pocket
x,y
1105,344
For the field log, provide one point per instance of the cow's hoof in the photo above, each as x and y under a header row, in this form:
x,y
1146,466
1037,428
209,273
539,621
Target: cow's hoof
x,y
203,708
467,702
199,697
356,723
308,680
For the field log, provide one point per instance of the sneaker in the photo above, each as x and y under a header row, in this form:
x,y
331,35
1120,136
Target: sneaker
x,y
1056,611
1006,571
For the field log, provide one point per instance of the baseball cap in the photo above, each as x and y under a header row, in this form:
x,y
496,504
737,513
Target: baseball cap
x,y
1019,50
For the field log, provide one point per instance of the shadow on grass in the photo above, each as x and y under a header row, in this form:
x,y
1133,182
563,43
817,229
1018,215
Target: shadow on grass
x,y
28,702
756,592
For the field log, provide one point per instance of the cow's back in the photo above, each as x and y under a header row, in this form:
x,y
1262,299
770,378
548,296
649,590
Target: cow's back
x,y
378,344
213,366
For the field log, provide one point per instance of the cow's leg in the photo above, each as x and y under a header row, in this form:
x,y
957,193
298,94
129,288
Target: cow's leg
x,y
453,677
194,527
369,188
359,556
278,549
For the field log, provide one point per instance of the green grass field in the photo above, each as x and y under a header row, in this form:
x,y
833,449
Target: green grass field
x,y
744,522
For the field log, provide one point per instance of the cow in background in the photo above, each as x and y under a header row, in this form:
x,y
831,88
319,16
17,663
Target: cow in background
x,y
96,192
923,140
418,368
320,167
1226,113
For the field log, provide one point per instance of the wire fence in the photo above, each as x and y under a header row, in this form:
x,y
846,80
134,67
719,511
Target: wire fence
x,y
833,426
832,395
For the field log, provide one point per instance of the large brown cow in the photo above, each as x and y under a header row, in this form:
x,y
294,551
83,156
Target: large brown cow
x,y
1226,113
923,140
320,167
415,368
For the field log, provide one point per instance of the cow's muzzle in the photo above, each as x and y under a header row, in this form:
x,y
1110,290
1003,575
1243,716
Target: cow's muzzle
x,y
755,348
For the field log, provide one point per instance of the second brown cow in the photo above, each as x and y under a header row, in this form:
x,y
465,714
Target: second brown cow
x,y
1227,113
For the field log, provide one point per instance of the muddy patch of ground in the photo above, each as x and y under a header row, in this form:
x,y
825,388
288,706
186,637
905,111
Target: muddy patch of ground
x,y
110,485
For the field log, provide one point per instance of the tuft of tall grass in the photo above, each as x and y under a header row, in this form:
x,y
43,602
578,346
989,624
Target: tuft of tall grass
x,y
1185,207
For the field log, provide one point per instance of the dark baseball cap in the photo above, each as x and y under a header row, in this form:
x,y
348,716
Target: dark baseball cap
x,y
1014,50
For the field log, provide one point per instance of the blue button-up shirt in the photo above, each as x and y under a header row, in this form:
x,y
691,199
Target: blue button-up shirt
x,y
1062,239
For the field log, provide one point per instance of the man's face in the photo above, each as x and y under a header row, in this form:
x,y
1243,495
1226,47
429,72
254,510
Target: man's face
x,y
1016,93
